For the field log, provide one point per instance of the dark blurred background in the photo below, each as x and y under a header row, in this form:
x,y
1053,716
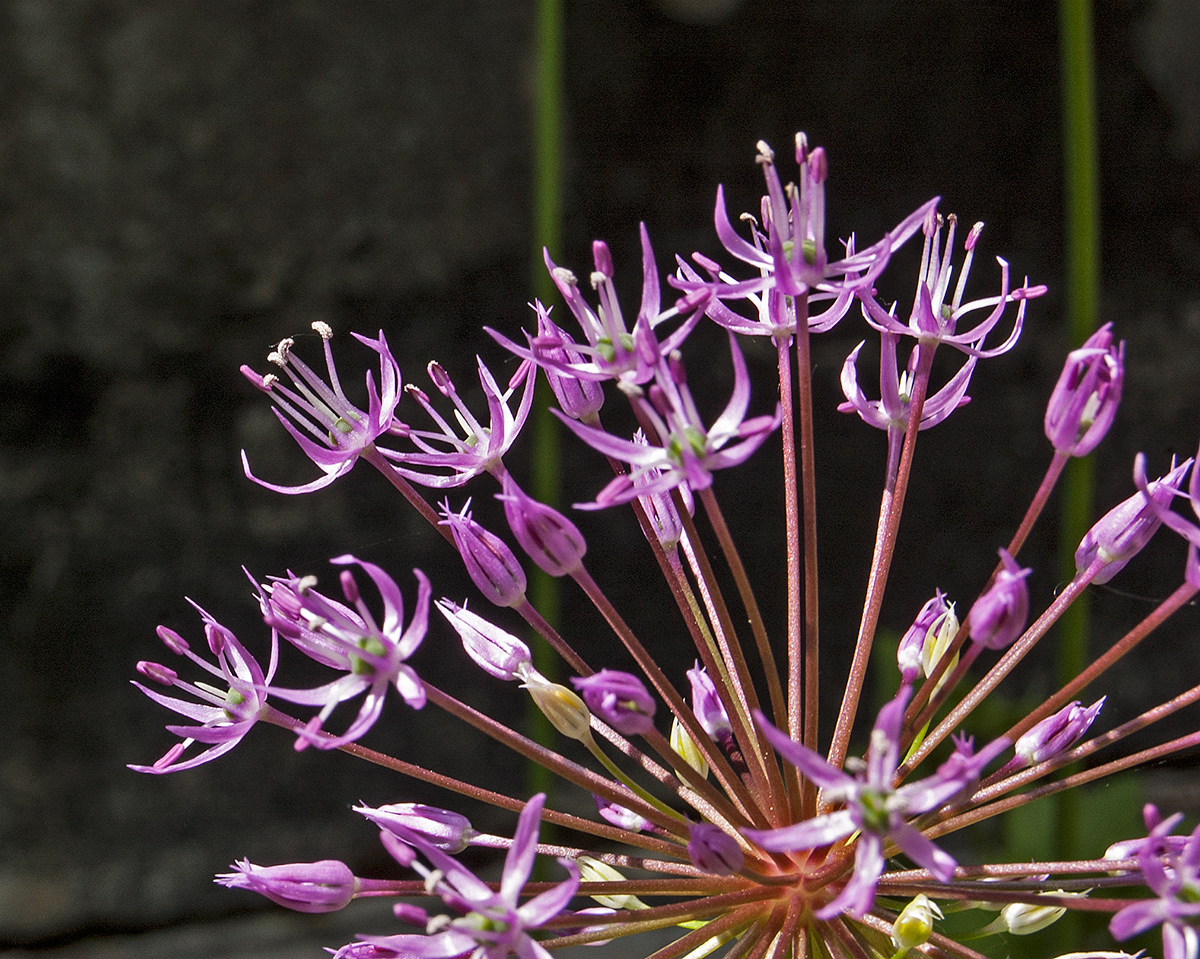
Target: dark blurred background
x,y
183,184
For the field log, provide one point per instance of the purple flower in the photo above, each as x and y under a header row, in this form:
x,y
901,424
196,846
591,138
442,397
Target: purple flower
x,y
789,253
490,563
612,351
714,850
1000,614
490,924
324,886
619,699
891,411
329,428
224,717
1173,875
349,638
937,310
448,457
707,706
447,830
1085,399
1056,734
688,452
495,651
1120,534
872,806
551,540
1189,531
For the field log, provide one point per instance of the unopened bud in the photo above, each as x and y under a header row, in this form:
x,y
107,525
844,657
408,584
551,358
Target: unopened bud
x,y
685,746
495,651
442,828
563,708
306,887
714,850
620,699
1121,533
914,925
551,540
491,565
1085,399
1000,614
593,870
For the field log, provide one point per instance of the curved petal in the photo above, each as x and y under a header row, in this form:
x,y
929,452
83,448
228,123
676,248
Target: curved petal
x,y
809,834
518,863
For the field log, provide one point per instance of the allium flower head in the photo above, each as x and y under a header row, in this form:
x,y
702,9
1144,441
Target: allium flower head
x,y
751,831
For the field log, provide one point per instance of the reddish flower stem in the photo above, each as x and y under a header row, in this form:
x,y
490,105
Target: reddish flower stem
x,y
1053,472
1181,597
890,510
603,830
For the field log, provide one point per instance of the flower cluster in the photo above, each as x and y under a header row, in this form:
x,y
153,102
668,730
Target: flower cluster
x,y
744,826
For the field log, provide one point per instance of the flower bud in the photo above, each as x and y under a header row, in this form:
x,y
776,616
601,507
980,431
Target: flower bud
x,y
579,398
1056,734
1000,614
621,817
659,506
306,887
712,849
1085,399
914,925
593,870
1121,533
490,563
1024,918
925,642
551,540
707,706
563,708
173,641
442,828
686,748
494,650
619,699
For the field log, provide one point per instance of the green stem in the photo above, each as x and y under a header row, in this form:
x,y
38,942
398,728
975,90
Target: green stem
x,y
1081,189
